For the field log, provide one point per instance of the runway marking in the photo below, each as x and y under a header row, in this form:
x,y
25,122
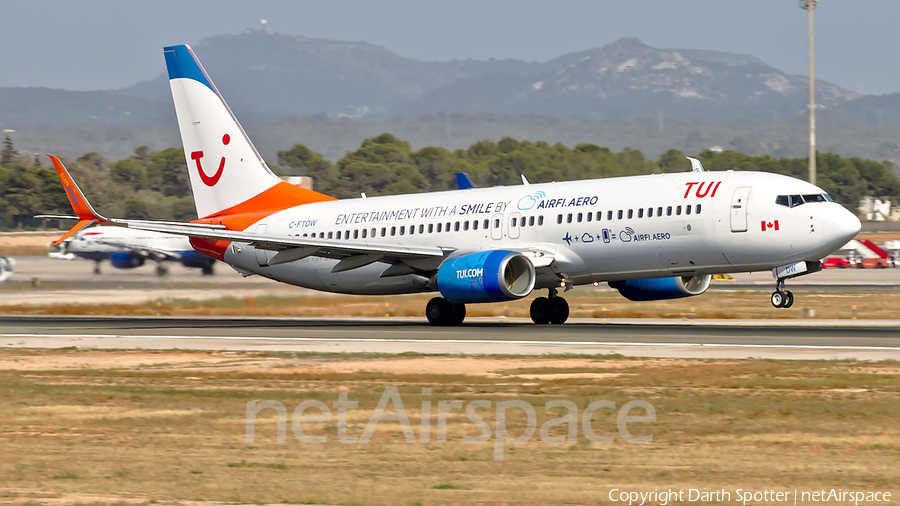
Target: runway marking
x,y
460,341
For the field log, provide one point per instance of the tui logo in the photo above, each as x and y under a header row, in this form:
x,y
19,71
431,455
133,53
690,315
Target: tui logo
x,y
210,180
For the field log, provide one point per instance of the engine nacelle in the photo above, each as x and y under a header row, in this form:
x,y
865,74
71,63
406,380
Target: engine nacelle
x,y
195,260
486,276
126,260
662,288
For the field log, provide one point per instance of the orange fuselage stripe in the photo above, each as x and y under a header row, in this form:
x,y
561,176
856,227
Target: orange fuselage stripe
x,y
241,216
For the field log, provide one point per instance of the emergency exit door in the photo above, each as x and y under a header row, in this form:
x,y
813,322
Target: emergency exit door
x,y
739,209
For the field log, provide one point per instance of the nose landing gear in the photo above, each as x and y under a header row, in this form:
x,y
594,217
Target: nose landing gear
x,y
552,309
781,297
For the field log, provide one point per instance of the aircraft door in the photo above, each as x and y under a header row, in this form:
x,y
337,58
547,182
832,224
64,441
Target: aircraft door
x,y
497,227
739,202
514,225
263,256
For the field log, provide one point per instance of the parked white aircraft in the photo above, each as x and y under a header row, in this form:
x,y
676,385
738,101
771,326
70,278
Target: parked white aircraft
x,y
129,248
651,237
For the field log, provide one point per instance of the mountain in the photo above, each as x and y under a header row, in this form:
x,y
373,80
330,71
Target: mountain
x,y
629,78
277,74
332,94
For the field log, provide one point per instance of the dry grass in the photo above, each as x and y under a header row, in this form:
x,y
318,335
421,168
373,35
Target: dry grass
x,y
722,305
169,426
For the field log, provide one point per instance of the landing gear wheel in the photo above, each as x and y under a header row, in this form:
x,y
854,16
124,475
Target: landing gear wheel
x,y
457,314
562,311
96,267
161,270
778,298
542,310
208,270
441,312
788,300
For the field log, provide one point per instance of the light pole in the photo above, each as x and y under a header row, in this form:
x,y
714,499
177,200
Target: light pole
x,y
810,6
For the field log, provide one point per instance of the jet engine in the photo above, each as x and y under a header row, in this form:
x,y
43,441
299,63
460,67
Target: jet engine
x,y
662,288
486,276
126,260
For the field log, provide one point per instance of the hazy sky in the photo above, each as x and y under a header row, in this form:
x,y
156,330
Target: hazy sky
x,y
103,44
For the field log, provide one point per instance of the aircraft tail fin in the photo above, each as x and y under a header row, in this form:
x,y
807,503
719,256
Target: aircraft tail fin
x,y
227,174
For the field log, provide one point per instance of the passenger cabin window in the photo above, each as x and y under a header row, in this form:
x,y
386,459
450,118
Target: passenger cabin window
x,y
338,234
474,224
383,231
356,234
540,220
485,224
698,208
496,222
609,215
393,231
687,210
466,225
678,211
641,212
620,214
331,235
431,228
580,215
439,227
456,227
649,212
630,213
669,211
364,233
559,218
531,221
569,218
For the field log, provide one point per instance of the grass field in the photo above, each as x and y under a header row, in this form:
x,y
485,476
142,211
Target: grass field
x,y
583,303
124,427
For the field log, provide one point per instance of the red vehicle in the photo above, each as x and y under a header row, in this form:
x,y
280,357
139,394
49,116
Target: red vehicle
x,y
873,263
838,262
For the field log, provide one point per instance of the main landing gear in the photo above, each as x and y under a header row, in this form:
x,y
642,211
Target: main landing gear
x,y
781,297
441,312
551,309
161,270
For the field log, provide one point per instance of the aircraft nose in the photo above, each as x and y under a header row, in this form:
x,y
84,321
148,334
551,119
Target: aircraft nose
x,y
843,226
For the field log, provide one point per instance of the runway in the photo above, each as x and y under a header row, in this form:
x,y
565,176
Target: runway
x,y
808,339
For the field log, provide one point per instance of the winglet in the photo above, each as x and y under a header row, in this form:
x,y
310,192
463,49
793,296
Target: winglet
x,y
463,182
80,204
78,226
696,166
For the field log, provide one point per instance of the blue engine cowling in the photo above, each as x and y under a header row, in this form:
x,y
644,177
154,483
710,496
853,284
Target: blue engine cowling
x,y
125,260
662,288
486,276
194,259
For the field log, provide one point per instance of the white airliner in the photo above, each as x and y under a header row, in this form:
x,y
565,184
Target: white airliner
x,y
651,237
126,248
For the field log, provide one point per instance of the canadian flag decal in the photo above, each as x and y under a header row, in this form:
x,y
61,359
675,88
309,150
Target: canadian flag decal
x,y
766,225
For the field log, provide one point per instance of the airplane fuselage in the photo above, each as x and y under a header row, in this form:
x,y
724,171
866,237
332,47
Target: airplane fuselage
x,y
612,229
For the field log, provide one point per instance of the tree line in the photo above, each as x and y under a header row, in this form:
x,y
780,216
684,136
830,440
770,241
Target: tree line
x,y
154,184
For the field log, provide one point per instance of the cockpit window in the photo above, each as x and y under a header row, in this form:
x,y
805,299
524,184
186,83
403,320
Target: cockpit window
x,y
813,198
799,200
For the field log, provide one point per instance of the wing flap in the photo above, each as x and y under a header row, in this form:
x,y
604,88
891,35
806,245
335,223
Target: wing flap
x,y
326,247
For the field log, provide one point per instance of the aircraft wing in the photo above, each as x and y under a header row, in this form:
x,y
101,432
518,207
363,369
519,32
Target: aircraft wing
x,y
147,251
292,248
289,248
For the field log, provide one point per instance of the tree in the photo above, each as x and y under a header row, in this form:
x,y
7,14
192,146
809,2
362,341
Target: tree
x,y
8,154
